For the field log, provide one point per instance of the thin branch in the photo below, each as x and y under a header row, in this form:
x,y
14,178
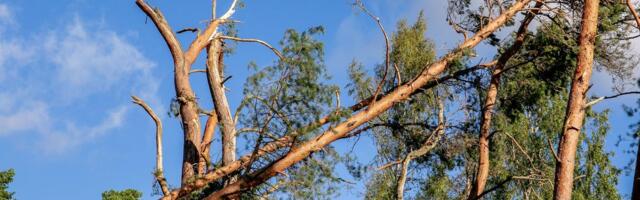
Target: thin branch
x,y
253,40
193,30
597,100
198,71
387,47
389,164
499,185
458,29
519,147
555,155
159,174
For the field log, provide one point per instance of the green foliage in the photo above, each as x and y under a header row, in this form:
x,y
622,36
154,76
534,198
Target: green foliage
x,y
406,125
528,117
283,99
128,194
6,177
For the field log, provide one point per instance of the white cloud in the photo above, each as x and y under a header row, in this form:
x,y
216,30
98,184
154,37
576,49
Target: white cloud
x,y
33,116
46,76
73,135
93,62
6,16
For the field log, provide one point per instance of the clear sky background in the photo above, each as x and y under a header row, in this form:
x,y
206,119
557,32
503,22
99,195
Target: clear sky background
x,y
68,68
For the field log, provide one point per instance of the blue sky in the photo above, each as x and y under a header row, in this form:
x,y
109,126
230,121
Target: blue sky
x,y
68,68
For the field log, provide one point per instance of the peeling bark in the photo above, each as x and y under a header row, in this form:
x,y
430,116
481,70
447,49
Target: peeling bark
x,y
214,77
182,62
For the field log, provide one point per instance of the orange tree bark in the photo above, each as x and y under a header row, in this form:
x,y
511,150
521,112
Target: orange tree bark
x,y
490,101
401,93
575,106
182,61
286,140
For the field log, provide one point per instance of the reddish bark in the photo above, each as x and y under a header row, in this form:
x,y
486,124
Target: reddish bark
x,y
490,101
576,104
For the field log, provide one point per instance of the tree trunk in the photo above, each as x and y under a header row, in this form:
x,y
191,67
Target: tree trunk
x,y
487,110
227,126
576,104
190,123
341,130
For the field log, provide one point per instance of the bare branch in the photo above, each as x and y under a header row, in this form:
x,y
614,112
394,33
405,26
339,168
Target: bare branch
x,y
597,100
387,47
165,30
193,30
232,9
555,155
159,174
253,40
520,147
198,71
389,164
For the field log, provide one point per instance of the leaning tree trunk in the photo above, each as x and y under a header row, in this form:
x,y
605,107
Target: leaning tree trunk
x,y
342,129
576,105
482,172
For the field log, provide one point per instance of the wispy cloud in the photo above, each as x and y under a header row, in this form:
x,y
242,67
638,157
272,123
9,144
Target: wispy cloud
x,y
45,74
72,135
32,116
89,62
6,16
